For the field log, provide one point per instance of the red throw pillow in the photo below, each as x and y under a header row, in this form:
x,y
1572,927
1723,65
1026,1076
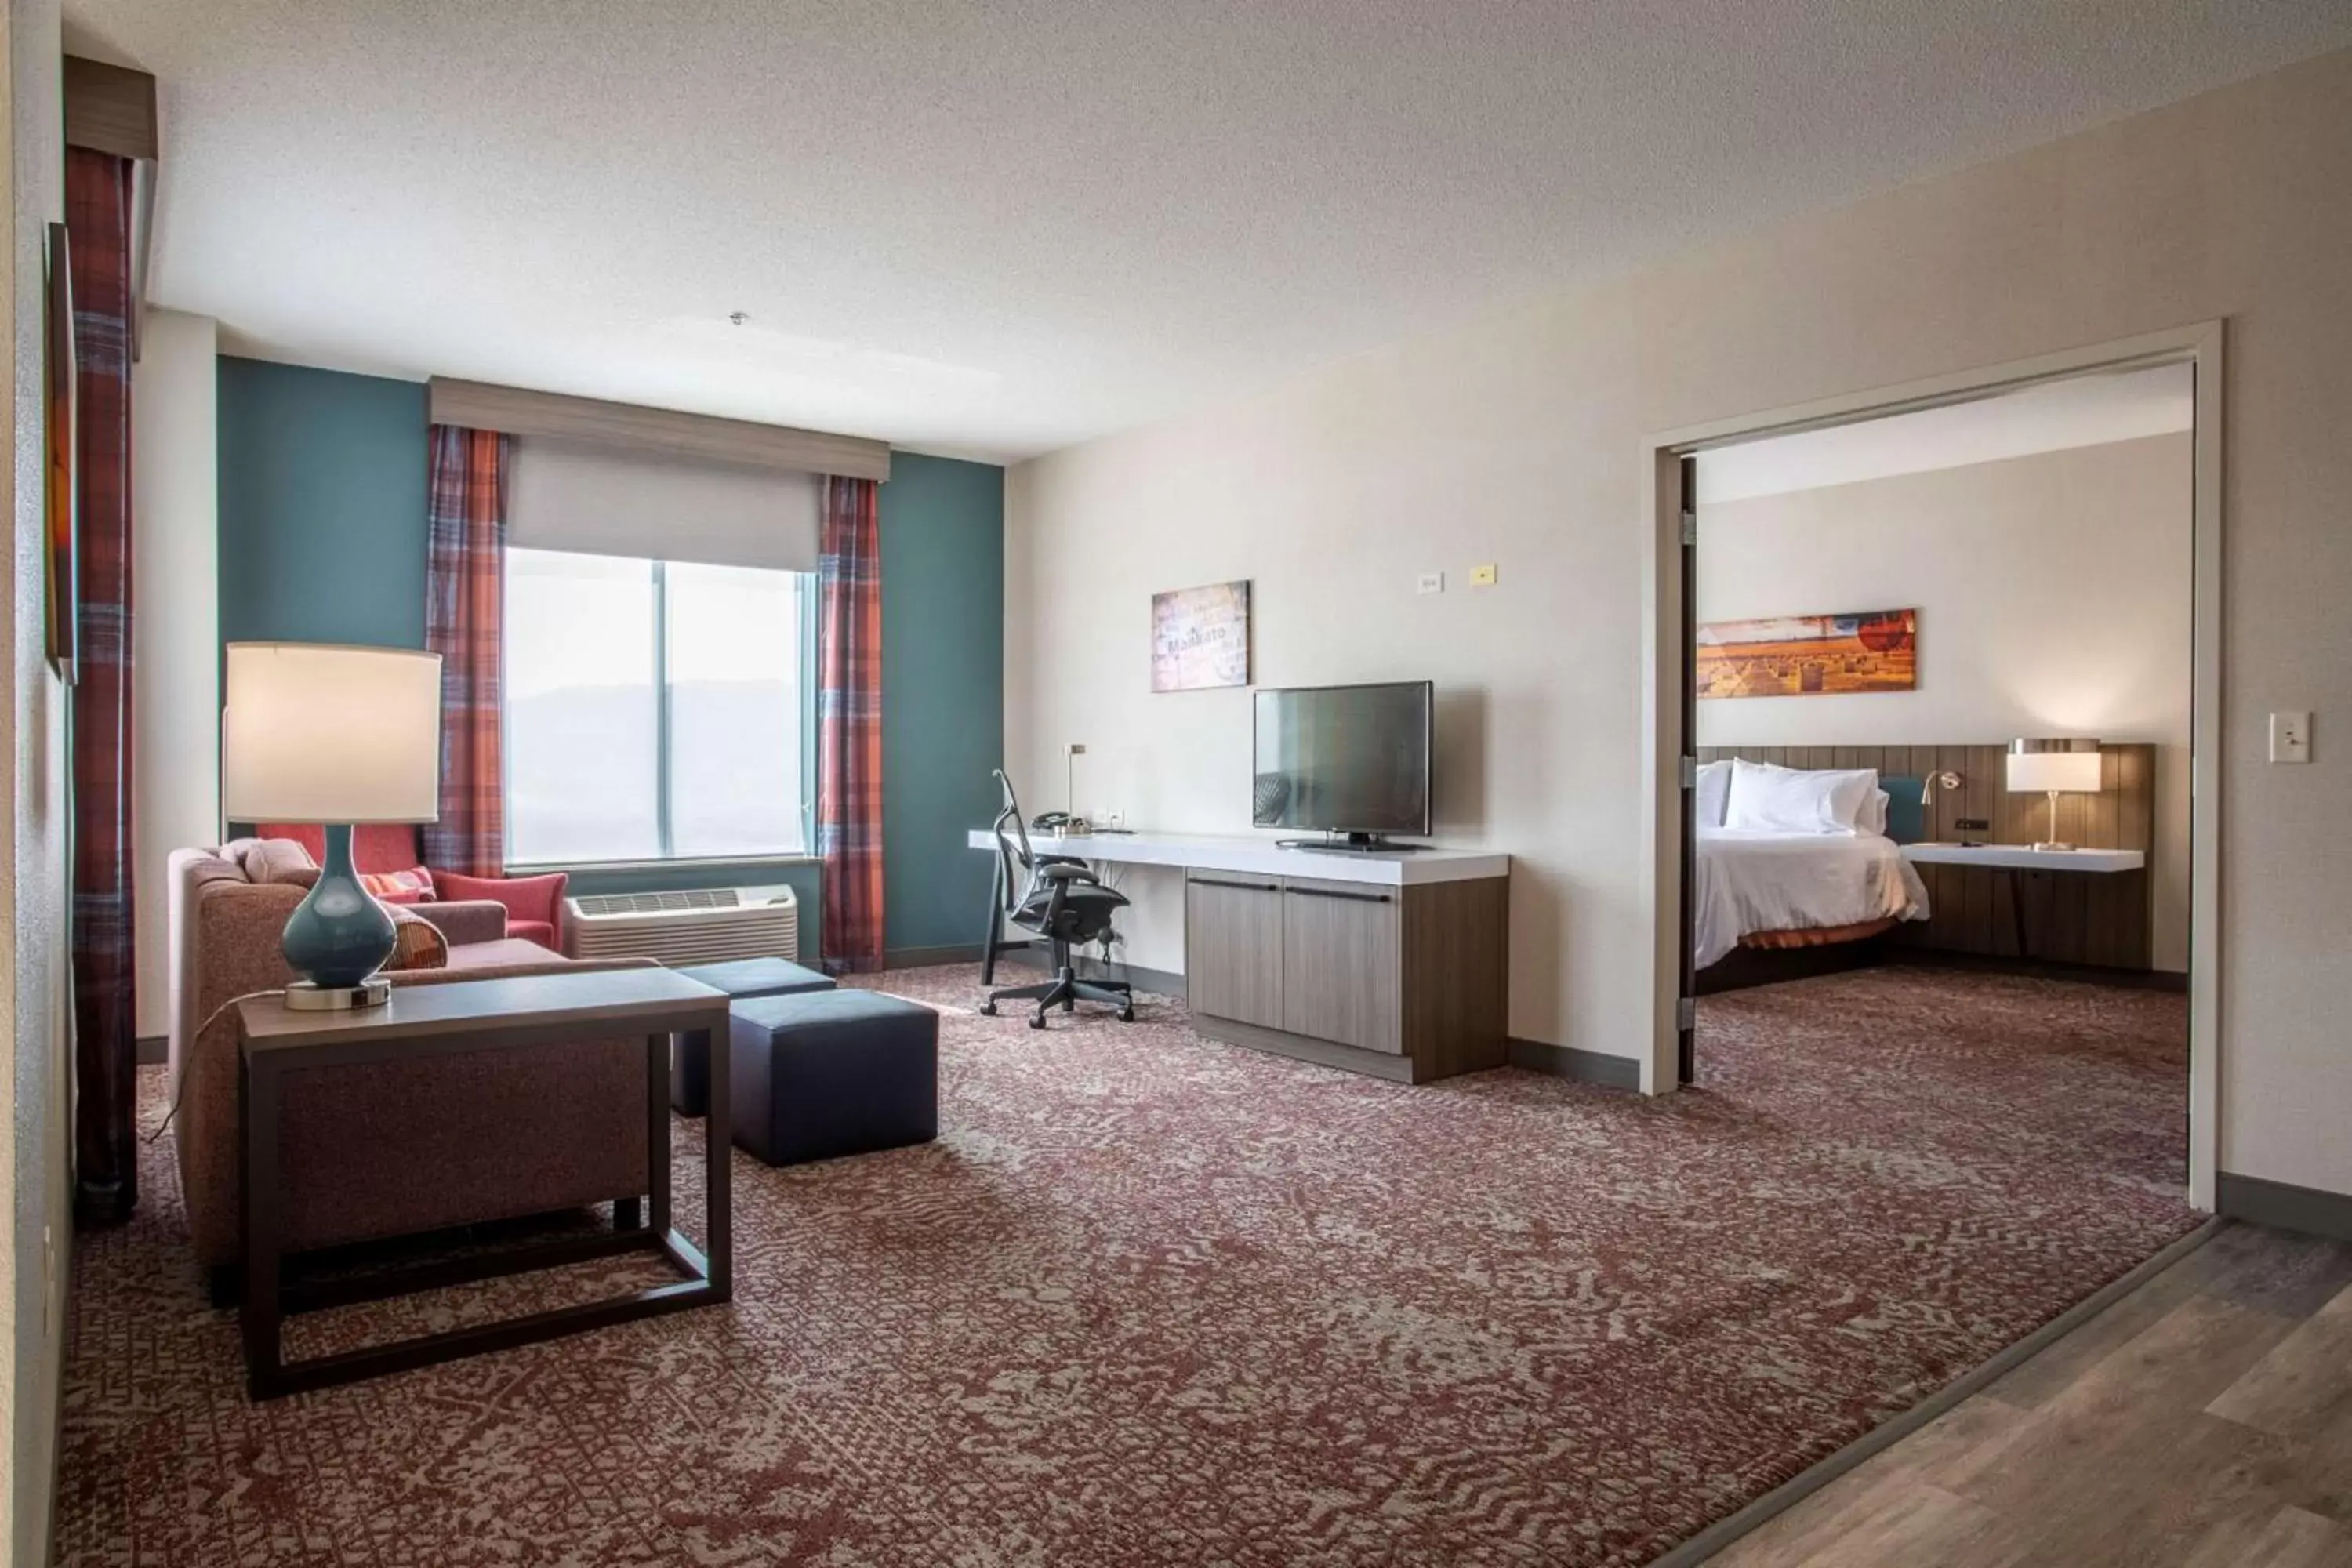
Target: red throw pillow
x,y
399,886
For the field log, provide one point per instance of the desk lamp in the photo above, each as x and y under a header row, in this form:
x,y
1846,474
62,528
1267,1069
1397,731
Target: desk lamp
x,y
336,735
2055,767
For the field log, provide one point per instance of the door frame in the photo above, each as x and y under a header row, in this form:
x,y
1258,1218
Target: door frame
x,y
1665,673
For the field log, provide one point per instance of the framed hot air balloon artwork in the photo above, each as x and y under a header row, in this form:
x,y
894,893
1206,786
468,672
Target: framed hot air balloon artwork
x,y
1809,656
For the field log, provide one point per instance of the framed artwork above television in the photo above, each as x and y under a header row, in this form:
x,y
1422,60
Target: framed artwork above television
x,y
1200,637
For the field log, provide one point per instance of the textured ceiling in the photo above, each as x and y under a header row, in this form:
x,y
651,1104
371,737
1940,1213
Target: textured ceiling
x,y
1002,227
2082,411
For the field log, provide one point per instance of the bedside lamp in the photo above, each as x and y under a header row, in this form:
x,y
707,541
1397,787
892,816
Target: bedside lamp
x,y
336,735
2055,768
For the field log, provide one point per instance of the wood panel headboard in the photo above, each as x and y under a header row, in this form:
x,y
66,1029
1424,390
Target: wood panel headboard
x,y
2105,920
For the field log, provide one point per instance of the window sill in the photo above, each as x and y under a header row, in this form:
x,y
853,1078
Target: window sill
x,y
713,863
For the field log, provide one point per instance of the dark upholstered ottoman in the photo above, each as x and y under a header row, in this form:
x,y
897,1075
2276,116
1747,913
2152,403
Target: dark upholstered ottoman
x,y
690,1059
832,1072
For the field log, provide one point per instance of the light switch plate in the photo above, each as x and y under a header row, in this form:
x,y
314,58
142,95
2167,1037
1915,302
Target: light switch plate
x,y
2291,737
1432,583
1483,576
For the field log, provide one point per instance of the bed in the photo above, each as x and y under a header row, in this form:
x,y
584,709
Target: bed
x,y
1758,888
1800,857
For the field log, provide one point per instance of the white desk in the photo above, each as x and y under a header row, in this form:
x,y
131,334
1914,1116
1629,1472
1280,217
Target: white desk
x,y
1391,963
2024,858
1263,858
2015,858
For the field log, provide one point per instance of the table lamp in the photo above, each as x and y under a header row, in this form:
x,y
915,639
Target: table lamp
x,y
2056,768
335,735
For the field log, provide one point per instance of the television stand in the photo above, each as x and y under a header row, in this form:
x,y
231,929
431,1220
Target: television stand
x,y
1351,844
1394,965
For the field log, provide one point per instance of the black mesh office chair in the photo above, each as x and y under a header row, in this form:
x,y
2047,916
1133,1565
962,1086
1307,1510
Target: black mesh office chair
x,y
1062,900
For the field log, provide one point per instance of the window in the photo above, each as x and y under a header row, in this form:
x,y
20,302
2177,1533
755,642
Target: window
x,y
653,709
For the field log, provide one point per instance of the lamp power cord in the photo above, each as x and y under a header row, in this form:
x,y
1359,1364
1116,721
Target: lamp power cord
x,y
197,1034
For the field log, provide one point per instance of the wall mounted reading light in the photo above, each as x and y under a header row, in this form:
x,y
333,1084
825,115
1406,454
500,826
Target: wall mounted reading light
x,y
1946,779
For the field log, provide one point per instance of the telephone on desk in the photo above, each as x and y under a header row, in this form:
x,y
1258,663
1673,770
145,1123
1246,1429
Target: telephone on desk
x,y
1062,824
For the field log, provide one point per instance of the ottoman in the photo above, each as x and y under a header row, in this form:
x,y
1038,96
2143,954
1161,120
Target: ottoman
x,y
831,1073
690,1059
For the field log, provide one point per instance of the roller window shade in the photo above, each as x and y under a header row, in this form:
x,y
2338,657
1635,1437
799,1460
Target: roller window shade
x,y
612,500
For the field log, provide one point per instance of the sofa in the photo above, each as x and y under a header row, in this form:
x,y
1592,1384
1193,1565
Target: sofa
x,y
534,905
390,1148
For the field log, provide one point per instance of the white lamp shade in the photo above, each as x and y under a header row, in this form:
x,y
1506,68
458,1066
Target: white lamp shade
x,y
320,733
2076,772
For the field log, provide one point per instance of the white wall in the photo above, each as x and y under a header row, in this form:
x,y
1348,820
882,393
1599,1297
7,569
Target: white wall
x,y
2054,599
176,629
1517,440
34,994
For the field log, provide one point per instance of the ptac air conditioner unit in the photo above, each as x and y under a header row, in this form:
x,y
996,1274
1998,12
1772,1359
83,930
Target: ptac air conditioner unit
x,y
703,925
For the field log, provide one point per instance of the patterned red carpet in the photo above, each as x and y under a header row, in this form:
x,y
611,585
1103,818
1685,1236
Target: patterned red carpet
x,y
1150,1300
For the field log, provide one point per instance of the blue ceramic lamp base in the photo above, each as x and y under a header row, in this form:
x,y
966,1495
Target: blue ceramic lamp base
x,y
338,938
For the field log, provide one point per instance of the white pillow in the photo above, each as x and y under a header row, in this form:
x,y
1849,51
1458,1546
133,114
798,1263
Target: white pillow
x,y
1713,793
1874,814
1768,799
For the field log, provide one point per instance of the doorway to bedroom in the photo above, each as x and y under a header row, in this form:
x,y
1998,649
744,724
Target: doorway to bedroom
x,y
1937,853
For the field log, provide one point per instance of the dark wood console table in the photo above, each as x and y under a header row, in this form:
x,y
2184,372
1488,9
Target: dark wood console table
x,y
455,1019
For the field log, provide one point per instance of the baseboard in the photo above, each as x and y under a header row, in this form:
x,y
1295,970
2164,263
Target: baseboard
x,y
924,957
152,1050
2042,969
1158,982
2284,1206
1584,1066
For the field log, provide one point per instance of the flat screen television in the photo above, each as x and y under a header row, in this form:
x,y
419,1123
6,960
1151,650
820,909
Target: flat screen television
x,y
1343,760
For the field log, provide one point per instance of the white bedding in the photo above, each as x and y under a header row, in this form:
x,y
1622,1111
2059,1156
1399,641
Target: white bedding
x,y
1751,881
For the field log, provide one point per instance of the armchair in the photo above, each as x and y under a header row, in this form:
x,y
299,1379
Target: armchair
x,y
534,905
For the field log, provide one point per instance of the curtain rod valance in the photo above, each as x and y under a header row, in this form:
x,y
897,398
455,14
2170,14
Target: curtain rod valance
x,y
520,412
597,499
110,108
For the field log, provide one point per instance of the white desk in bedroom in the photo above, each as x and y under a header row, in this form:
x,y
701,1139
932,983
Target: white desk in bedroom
x,y
1383,962
2018,858
2024,858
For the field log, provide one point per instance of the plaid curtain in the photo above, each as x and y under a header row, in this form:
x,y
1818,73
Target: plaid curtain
x,y
849,727
464,600
98,224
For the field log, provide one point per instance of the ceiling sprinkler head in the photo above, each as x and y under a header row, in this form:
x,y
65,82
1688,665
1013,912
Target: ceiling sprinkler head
x,y
737,317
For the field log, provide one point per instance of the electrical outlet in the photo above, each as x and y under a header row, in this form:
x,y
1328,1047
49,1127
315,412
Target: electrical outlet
x,y
1483,576
1974,825
1431,583
2291,737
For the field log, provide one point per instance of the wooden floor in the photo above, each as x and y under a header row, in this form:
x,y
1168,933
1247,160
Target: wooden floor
x,y
2204,1420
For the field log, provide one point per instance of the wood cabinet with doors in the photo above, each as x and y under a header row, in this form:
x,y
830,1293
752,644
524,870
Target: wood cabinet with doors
x,y
1402,981
1233,947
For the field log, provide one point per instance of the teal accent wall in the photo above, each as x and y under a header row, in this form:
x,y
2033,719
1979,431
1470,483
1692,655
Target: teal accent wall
x,y
322,480
942,529
322,538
